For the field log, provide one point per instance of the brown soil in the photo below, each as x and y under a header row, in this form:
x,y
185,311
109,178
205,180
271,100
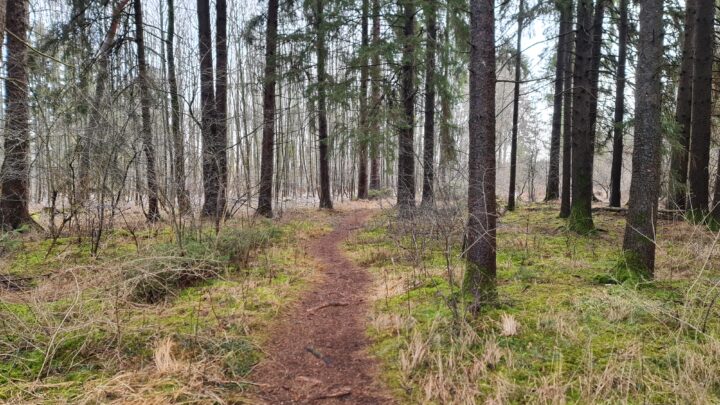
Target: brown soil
x,y
318,352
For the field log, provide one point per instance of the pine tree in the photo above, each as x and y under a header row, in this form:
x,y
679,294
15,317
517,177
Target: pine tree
x,y
480,273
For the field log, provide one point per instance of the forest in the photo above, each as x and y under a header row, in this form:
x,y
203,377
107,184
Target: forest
x,y
359,201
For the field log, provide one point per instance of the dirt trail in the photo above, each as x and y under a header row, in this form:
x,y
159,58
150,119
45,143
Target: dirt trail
x,y
318,352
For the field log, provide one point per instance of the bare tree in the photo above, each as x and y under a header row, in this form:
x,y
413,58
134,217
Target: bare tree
x,y
181,193
153,213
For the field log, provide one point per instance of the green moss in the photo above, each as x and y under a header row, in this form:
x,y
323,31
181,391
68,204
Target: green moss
x,y
583,341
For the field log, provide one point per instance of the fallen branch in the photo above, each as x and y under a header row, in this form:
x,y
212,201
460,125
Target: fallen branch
x,y
342,392
326,305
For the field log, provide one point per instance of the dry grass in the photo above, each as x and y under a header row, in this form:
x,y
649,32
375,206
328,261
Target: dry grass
x,y
156,324
558,335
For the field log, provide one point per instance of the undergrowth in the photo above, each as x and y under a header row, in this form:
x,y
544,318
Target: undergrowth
x,y
565,330
146,321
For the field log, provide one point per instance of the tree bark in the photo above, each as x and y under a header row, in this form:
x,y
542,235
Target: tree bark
x,y
565,197
376,100
428,194
268,139
220,135
639,241
406,151
153,213
699,157
580,219
208,118
619,127
516,108
324,142
480,274
552,191
15,172
677,197
362,191
181,193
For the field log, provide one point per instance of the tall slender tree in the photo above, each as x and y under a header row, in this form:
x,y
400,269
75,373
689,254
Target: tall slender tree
x,y
699,156
181,193
639,241
428,194
153,213
221,84
516,110
376,99
362,192
619,124
15,172
597,38
565,199
480,273
323,139
580,219
208,118
683,110
406,152
552,191
268,139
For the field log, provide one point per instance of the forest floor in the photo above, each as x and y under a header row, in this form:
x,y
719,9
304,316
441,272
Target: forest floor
x,y
319,351
357,306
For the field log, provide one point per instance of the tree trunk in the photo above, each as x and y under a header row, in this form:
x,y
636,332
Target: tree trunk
x,y
362,190
153,213
619,127
567,120
268,139
580,219
325,194
597,32
516,107
208,119
639,241
220,135
376,101
429,133
552,191
683,110
182,195
406,150
15,178
480,274
699,158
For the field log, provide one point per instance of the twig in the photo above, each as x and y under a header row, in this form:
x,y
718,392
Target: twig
x,y
342,392
326,305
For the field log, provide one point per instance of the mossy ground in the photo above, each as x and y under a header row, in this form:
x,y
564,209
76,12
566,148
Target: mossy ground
x,y
564,330
73,333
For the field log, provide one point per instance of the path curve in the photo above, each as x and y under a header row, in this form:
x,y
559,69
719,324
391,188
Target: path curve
x,y
318,352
